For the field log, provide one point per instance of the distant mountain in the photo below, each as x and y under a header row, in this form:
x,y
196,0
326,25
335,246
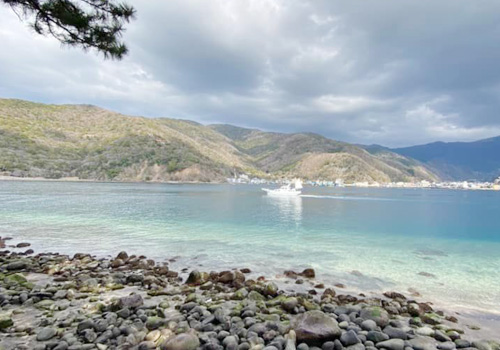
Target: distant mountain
x,y
54,141
313,156
478,160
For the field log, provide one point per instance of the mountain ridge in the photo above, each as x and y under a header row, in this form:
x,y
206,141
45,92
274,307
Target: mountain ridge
x,y
88,142
476,160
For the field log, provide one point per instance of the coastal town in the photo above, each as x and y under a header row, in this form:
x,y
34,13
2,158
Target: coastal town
x,y
453,185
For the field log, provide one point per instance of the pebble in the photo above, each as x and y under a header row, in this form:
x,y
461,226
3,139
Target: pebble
x,y
152,308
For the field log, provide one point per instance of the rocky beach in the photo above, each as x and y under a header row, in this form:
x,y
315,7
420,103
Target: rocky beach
x,y
59,302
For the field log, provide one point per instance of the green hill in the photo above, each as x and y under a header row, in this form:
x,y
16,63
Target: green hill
x,y
88,142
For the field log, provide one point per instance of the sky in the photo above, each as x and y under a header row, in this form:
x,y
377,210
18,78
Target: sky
x,y
392,72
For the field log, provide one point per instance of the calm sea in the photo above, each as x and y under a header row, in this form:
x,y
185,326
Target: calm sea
x,y
445,244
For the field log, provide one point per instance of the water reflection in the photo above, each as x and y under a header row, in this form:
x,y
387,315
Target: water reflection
x,y
289,208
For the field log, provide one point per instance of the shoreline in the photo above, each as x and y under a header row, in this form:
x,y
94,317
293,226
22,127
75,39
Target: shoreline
x,y
50,298
406,185
76,180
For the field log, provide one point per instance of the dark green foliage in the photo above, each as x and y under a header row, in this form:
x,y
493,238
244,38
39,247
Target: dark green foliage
x,y
96,24
91,143
23,157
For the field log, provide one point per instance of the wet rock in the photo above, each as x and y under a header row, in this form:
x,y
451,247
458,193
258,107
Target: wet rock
x,y
289,304
271,289
17,265
308,273
377,314
155,322
195,278
226,277
315,327
440,336
122,255
328,292
431,318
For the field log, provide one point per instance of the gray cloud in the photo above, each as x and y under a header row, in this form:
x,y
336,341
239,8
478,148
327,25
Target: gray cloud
x,y
395,73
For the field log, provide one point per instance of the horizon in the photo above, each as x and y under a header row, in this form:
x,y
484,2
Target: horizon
x,y
344,74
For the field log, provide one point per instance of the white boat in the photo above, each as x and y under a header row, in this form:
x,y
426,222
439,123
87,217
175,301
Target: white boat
x,y
286,190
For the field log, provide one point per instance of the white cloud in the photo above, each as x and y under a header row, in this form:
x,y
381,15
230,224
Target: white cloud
x,y
389,73
346,104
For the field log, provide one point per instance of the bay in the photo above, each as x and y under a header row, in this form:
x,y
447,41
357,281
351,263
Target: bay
x,y
443,243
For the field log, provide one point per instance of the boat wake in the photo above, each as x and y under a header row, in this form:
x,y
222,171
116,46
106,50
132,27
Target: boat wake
x,y
346,197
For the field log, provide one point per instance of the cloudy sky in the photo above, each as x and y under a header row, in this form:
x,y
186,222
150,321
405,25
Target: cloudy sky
x,y
390,72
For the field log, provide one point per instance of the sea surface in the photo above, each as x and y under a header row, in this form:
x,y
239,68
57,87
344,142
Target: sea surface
x,y
444,244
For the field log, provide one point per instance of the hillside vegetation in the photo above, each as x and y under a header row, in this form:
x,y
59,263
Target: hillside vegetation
x,y
88,142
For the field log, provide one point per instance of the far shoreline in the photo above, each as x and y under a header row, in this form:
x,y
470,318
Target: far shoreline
x,y
79,180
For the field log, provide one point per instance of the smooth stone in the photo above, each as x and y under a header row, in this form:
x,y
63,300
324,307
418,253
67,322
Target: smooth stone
x,y
183,341
61,346
131,301
46,334
289,304
446,346
376,336
462,343
440,336
369,325
481,345
377,314
395,333
391,344
358,346
425,331
349,338
423,343
329,345
315,327
17,265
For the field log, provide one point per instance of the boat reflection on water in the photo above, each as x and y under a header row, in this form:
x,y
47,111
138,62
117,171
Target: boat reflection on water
x,y
289,209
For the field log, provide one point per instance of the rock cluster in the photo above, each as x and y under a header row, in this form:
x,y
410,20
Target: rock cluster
x,y
57,302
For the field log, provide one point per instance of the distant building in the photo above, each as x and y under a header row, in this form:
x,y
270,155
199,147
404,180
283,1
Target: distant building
x,y
496,185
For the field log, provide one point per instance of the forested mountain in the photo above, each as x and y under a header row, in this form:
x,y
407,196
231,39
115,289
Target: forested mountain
x,y
54,141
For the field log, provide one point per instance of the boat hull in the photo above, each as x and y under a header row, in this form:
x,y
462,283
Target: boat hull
x,y
282,193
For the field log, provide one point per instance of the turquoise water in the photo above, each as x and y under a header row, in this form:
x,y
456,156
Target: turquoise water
x,y
386,236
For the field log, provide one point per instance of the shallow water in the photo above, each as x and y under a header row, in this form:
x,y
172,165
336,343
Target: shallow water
x,y
443,243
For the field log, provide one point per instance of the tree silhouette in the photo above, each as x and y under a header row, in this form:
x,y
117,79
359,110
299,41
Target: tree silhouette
x,y
88,24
